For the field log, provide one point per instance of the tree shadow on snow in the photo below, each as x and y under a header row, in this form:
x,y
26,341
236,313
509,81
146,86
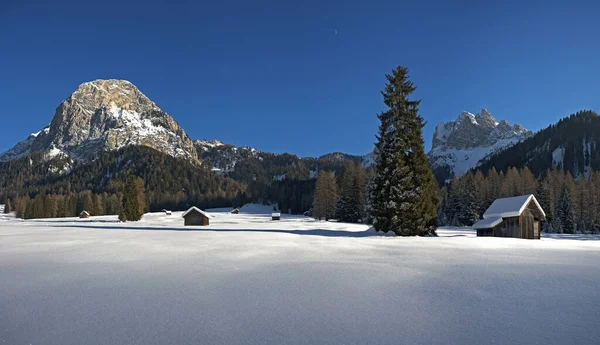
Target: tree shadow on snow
x,y
316,232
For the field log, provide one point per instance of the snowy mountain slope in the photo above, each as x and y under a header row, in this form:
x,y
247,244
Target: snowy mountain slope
x,y
463,144
107,115
569,145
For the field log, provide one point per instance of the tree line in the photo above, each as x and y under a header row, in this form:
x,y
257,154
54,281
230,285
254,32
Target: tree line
x,y
129,205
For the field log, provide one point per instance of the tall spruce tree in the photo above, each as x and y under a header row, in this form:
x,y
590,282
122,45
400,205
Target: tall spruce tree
x,y
351,203
403,193
7,207
469,211
131,197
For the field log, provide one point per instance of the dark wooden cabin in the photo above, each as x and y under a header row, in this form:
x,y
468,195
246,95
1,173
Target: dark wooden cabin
x,y
518,217
235,211
195,216
275,216
84,214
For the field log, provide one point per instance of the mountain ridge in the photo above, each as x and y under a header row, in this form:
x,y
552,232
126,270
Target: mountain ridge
x,y
460,145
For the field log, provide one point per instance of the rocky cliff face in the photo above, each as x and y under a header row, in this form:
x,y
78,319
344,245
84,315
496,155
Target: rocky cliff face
x,y
463,144
107,115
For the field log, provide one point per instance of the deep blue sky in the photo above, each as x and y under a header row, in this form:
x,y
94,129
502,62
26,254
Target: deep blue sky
x,y
274,75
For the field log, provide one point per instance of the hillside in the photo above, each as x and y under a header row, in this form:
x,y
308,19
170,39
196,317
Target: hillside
x,y
570,145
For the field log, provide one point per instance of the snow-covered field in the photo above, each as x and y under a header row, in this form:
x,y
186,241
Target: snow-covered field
x,y
248,280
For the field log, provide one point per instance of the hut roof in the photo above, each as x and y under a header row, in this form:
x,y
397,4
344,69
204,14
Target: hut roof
x,y
487,223
511,207
275,214
84,213
194,208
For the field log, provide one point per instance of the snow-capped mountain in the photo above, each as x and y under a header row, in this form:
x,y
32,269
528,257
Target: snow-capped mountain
x,y
463,144
106,115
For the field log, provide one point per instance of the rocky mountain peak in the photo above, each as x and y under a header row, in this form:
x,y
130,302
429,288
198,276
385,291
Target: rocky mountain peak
x,y
111,93
107,115
462,144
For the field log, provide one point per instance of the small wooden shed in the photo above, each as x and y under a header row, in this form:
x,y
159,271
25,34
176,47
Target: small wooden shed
x,y
275,216
235,211
195,216
84,214
518,217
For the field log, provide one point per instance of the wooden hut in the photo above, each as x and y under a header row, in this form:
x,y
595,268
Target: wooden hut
x,y
275,216
195,216
518,217
235,211
84,214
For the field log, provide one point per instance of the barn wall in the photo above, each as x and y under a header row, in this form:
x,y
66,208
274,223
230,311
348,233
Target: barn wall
x,y
509,228
194,218
527,224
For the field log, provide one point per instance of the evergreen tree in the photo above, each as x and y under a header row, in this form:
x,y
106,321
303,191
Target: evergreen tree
x,y
469,211
566,218
131,201
325,195
404,196
351,203
7,207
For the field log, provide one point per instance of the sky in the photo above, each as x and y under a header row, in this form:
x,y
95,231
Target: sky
x,y
301,76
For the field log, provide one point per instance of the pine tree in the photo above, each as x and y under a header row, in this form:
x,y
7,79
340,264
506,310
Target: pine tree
x,y
351,203
565,216
469,211
453,204
404,195
131,201
325,195
528,184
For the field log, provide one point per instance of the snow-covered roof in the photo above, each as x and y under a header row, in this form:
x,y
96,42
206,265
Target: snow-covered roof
x,y
487,223
85,212
275,214
194,208
511,207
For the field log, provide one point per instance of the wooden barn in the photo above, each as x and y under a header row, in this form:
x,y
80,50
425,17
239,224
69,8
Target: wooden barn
x,y
235,211
518,217
275,216
84,214
195,216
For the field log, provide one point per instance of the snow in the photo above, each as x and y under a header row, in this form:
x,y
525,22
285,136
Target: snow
x,y
209,143
510,207
487,223
557,156
194,208
279,177
462,160
466,115
314,173
247,280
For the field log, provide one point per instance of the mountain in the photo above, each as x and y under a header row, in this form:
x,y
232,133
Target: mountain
x,y
573,145
229,159
105,115
460,145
